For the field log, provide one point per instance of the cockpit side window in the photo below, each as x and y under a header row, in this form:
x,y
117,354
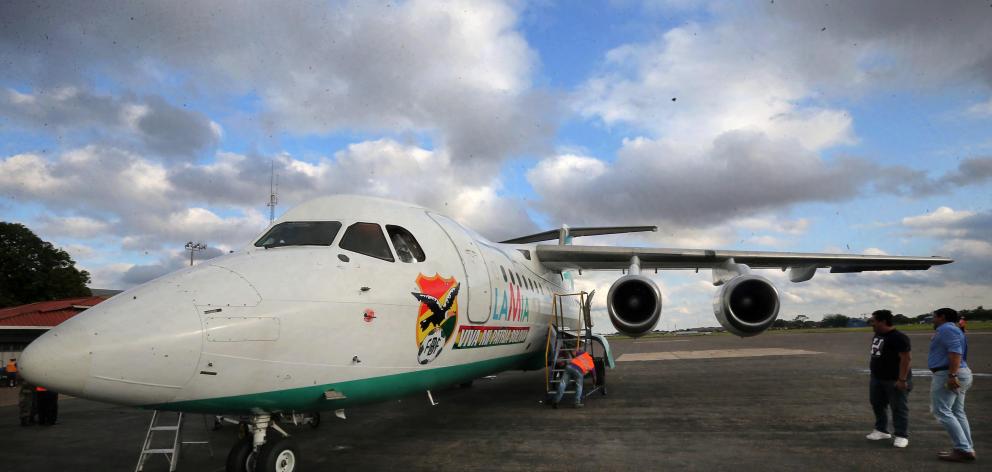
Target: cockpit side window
x,y
366,238
300,233
407,248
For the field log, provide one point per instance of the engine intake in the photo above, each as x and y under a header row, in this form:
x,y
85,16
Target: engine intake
x,y
634,303
746,305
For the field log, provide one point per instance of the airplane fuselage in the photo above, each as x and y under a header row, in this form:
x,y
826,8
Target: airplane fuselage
x,y
298,327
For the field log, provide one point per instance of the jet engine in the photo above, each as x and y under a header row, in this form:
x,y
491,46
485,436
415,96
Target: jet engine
x,y
634,303
746,305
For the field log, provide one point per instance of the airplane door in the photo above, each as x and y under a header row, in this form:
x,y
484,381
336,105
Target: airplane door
x,y
476,273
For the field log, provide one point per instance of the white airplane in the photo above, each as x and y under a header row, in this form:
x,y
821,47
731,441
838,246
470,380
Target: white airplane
x,y
349,300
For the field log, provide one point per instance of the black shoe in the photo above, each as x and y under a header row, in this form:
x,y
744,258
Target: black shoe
x,y
957,455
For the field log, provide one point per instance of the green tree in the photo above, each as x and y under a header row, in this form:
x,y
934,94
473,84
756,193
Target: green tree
x,y
32,270
834,321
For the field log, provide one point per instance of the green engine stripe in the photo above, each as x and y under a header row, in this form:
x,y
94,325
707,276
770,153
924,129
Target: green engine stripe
x,y
370,390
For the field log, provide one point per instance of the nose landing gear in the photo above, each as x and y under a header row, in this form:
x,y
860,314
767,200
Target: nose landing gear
x,y
256,454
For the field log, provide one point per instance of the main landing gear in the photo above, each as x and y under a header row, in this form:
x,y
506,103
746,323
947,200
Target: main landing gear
x,y
266,448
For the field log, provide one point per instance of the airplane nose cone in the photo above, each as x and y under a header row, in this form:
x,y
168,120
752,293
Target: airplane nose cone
x,y
140,347
58,360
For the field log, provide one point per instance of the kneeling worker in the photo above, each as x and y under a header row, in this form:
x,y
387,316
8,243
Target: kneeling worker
x,y
576,369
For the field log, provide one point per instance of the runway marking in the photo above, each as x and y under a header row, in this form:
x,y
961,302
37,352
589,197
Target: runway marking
x,y
927,373
662,341
711,354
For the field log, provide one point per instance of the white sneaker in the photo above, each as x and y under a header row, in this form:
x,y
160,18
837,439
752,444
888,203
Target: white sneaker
x,y
900,442
876,435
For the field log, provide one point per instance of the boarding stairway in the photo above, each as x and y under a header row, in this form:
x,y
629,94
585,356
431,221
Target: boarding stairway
x,y
173,433
568,335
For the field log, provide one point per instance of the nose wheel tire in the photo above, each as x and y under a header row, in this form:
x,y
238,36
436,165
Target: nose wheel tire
x,y
277,455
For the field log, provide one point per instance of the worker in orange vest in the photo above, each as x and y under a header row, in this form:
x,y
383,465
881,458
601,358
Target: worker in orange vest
x,y
11,371
576,369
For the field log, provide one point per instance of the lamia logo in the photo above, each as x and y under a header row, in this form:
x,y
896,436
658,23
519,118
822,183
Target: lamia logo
x,y
436,316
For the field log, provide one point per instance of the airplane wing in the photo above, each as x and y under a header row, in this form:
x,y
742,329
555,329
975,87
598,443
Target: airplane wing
x,y
561,257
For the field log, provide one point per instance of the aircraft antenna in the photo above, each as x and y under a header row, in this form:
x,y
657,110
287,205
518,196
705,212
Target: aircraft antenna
x,y
273,192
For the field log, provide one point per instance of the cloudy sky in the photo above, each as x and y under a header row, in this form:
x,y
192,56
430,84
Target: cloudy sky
x,y
129,128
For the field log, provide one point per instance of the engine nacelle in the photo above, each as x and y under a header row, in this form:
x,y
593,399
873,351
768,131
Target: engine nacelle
x,y
746,305
634,303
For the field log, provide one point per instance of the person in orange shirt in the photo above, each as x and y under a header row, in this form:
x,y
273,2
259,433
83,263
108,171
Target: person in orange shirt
x,y
576,369
11,370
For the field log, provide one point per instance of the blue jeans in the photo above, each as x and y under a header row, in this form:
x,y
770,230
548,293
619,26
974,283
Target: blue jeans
x,y
571,373
948,407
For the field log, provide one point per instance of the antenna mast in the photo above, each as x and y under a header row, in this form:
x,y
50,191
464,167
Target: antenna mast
x,y
273,192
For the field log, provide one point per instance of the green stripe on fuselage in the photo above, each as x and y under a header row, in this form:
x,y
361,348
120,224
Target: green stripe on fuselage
x,y
356,392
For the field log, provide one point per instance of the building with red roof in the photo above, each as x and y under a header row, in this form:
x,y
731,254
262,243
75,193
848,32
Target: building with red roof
x,y
19,325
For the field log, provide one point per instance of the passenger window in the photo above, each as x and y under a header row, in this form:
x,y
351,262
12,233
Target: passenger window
x,y
300,233
501,269
407,248
366,238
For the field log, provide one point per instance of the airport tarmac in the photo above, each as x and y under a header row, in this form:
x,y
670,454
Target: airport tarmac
x,y
779,401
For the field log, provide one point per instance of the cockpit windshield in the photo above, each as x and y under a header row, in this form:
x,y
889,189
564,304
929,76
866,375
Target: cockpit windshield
x,y
300,233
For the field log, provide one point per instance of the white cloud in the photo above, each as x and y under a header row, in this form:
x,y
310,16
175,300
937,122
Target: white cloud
x,y
459,71
765,240
942,222
981,109
698,82
79,251
725,129
565,169
741,174
108,276
774,223
73,226
970,248
149,123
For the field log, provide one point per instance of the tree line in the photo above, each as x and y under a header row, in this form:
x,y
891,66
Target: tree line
x,y
838,320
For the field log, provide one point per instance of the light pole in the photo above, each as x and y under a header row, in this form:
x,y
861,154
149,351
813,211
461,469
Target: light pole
x,y
193,247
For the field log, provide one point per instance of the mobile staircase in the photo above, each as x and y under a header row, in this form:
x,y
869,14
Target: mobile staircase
x,y
174,432
568,335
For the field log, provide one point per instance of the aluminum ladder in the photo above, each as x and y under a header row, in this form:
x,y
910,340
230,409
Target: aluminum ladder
x,y
171,453
563,341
